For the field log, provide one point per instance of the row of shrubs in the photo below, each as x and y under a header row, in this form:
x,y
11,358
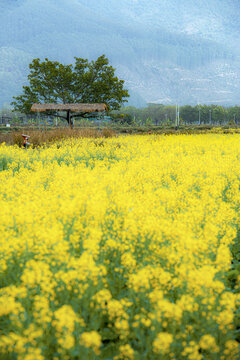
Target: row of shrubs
x,y
38,137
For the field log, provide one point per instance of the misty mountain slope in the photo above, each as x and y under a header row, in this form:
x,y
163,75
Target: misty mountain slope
x,y
162,49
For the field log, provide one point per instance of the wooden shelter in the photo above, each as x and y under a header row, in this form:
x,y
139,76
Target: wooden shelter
x,y
86,108
81,108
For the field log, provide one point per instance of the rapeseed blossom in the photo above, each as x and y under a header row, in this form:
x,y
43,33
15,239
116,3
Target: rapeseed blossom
x,y
91,340
120,249
162,343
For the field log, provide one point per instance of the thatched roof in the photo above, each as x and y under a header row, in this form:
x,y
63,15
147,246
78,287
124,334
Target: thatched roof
x,y
72,107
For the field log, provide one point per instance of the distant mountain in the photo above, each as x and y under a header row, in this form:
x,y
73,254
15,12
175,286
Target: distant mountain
x,y
166,51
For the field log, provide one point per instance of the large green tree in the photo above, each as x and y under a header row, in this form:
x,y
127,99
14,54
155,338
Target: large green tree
x,y
84,82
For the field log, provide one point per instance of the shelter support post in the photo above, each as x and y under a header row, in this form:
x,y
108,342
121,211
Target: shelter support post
x,y
38,117
69,120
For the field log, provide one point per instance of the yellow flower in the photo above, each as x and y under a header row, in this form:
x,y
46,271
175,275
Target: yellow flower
x,y
65,319
101,299
67,341
191,351
32,354
115,309
162,343
128,261
126,352
232,351
122,327
225,319
208,343
91,340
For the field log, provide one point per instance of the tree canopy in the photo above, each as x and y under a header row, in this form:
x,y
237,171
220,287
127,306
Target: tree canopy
x,y
84,82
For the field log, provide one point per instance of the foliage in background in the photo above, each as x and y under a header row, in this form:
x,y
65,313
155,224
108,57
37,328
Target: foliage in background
x,y
85,82
166,114
151,115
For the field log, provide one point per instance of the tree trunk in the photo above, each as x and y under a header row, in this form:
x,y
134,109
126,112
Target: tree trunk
x,y
69,120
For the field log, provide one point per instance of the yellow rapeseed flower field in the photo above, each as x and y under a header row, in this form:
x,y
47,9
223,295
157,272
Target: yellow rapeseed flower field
x,y
120,249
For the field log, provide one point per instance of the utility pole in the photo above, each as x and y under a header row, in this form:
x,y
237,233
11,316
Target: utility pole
x,y
210,117
176,119
199,116
177,116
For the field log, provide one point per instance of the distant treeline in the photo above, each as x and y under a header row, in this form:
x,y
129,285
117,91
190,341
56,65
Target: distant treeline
x,y
153,114
189,115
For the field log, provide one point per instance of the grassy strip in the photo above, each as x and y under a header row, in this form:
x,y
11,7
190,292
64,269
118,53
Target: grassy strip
x,y
38,137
